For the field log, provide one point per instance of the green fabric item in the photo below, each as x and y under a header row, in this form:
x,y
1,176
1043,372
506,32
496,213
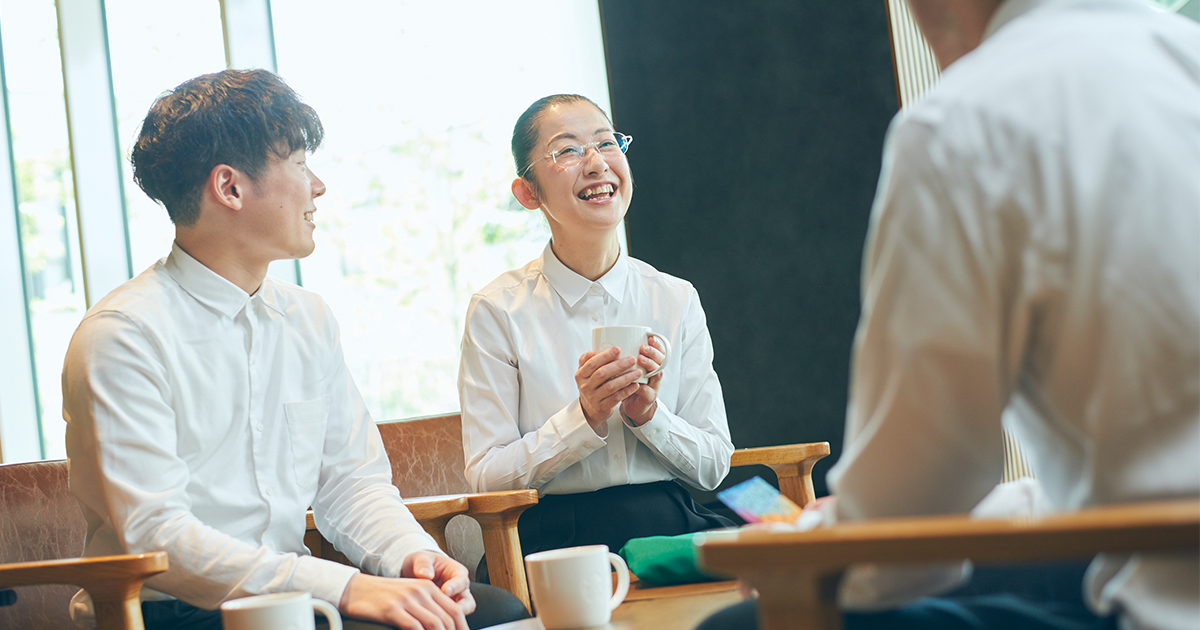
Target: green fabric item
x,y
665,560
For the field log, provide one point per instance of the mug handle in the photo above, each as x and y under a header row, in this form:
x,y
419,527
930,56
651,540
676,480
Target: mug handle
x,y
330,613
666,353
622,581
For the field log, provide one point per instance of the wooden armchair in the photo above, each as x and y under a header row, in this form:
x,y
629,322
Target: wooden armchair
x,y
496,513
792,464
114,582
797,574
428,467
41,534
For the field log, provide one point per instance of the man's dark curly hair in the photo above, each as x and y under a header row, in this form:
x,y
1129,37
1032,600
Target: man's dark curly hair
x,y
235,117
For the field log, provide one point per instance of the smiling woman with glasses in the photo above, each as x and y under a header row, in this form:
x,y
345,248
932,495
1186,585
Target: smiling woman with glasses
x,y
539,408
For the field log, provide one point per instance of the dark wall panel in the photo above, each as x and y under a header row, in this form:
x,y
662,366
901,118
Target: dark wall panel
x,y
759,128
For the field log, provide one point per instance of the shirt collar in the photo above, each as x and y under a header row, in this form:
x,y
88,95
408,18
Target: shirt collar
x,y
204,284
572,286
1010,10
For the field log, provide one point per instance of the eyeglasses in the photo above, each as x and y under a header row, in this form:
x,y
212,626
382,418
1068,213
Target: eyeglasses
x,y
571,154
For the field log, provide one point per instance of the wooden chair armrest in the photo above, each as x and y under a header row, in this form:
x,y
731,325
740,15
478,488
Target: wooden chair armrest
x,y
114,582
497,514
792,464
434,512
796,573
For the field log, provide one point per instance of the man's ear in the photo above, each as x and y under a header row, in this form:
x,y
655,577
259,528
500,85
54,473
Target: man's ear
x,y
227,186
525,194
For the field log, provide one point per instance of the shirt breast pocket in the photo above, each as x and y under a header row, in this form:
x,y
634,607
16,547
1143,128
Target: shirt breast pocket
x,y
306,432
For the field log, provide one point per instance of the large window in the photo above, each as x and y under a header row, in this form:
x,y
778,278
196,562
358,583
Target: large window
x,y
418,100
153,50
46,222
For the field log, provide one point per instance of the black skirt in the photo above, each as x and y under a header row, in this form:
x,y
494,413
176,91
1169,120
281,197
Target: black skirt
x,y
611,516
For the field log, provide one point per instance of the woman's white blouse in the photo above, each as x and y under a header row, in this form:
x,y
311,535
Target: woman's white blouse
x,y
522,423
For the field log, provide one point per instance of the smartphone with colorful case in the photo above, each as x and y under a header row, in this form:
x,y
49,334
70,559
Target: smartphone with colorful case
x,y
757,501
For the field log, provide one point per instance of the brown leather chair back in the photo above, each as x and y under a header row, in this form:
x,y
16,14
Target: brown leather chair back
x,y
427,460
39,520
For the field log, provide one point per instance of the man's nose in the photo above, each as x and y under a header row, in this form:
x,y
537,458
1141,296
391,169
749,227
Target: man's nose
x,y
318,186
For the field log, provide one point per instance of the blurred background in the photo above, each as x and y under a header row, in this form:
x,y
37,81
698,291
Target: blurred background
x,y
759,132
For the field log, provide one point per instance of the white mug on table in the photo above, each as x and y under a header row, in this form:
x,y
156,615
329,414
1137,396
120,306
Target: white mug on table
x,y
630,339
572,587
277,611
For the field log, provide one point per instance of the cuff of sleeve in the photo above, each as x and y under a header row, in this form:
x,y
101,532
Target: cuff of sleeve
x,y
656,434
572,428
393,561
326,580
657,430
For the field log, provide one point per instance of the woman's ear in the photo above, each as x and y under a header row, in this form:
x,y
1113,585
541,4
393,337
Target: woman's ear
x,y
225,184
526,194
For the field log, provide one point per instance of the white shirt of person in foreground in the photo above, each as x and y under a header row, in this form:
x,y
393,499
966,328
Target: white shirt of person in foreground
x,y
1034,253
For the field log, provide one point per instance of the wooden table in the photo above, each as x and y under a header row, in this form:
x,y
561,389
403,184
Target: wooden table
x,y
681,612
680,609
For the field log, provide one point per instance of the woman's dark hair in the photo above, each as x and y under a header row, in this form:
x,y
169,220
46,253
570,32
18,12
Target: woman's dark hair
x,y
525,132
234,117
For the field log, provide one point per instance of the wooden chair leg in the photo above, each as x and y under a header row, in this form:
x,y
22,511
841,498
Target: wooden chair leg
x,y
497,514
797,600
502,546
795,480
437,529
117,604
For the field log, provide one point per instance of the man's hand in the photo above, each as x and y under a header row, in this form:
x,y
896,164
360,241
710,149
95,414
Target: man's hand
x,y
434,594
602,386
448,574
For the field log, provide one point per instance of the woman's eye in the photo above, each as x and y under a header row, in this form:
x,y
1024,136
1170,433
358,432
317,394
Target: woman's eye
x,y
607,144
567,152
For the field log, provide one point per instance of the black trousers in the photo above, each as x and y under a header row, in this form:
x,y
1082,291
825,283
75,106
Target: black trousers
x,y
611,516
1023,597
493,606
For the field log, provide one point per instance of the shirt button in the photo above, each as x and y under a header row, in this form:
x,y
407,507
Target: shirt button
x,y
653,432
270,492
253,360
595,316
258,426
592,445
617,457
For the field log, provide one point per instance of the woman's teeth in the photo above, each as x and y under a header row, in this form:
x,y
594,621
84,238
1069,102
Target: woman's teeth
x,y
596,191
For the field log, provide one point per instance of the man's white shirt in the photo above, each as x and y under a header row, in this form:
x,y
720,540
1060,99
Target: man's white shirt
x,y
203,421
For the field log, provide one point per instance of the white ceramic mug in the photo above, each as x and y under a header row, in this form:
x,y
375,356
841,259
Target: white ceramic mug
x,y
277,611
629,339
572,587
